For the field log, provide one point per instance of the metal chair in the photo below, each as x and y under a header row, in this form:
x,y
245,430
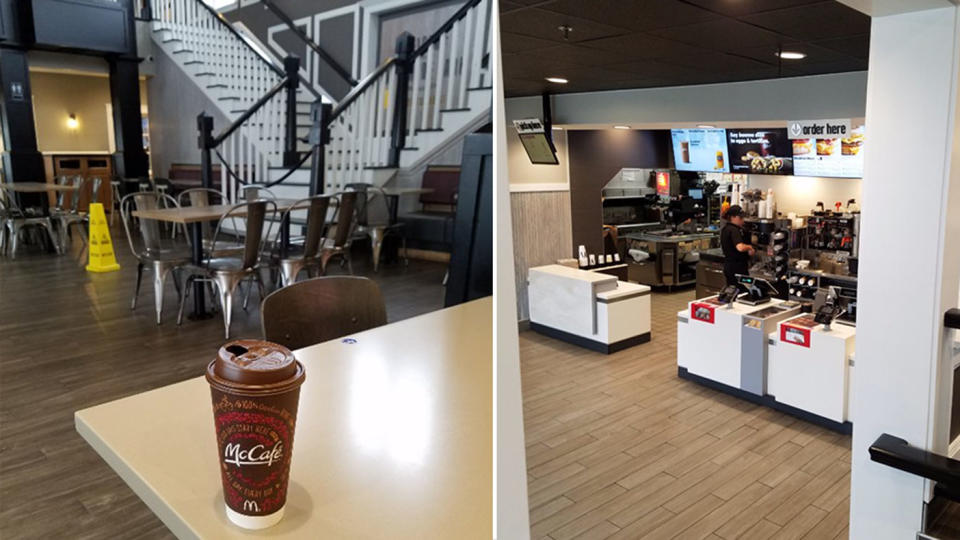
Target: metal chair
x,y
321,309
163,255
379,227
340,237
115,198
306,256
67,217
15,221
228,272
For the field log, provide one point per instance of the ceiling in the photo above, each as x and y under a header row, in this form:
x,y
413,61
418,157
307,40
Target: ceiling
x,y
618,44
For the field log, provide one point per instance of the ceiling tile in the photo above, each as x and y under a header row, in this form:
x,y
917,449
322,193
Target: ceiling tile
x,y
508,6
721,35
577,54
855,46
511,43
818,21
736,8
768,54
641,46
633,15
545,24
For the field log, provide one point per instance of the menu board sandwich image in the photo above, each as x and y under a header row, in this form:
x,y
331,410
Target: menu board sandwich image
x,y
760,151
700,150
832,155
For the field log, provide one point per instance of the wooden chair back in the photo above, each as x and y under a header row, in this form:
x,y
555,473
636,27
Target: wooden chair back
x,y
321,309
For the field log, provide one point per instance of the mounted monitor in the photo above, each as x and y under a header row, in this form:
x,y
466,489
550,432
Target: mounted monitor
x,y
836,152
700,150
760,151
536,141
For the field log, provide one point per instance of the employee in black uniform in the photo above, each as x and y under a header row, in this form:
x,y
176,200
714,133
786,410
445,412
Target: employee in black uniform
x,y
736,250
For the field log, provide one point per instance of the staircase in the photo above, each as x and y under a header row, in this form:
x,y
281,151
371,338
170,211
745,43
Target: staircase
x,y
442,88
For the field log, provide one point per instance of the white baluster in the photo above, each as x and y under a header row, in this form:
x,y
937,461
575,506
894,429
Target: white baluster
x,y
466,62
455,51
435,124
428,84
412,110
479,40
389,116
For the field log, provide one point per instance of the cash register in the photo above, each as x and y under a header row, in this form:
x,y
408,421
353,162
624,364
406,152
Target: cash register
x,y
758,290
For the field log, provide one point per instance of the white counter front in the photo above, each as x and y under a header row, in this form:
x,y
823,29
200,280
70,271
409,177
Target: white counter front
x,y
589,309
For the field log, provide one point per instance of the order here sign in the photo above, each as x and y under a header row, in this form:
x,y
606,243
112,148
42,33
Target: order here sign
x,y
806,129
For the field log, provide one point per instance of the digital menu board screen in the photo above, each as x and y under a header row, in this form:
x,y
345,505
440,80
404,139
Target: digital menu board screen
x,y
836,156
700,150
760,151
663,183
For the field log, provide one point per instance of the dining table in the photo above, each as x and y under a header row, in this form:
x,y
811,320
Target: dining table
x,y
193,217
393,438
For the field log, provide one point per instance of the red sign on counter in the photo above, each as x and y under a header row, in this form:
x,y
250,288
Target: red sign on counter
x,y
702,311
797,331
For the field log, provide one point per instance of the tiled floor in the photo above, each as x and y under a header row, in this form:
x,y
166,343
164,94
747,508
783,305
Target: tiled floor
x,y
619,447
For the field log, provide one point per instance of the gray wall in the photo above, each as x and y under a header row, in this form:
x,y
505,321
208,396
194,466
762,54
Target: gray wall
x,y
174,103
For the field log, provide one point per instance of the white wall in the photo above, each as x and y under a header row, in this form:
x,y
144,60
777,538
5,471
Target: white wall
x,y
800,193
512,513
792,98
909,273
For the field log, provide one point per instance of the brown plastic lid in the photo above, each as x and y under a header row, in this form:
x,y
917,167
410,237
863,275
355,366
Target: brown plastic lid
x,y
250,362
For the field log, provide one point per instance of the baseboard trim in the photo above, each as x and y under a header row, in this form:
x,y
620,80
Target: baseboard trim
x,y
428,255
593,345
845,428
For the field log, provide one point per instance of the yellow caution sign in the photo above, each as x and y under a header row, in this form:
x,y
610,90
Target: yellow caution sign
x,y
101,257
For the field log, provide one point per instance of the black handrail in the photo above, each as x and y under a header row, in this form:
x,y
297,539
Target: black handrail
x,y
461,13
330,60
360,87
223,20
899,454
249,112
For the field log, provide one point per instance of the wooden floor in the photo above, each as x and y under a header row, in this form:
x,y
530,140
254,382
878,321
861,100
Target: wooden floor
x,y
68,340
619,447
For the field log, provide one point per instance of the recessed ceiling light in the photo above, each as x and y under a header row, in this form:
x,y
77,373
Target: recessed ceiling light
x,y
558,80
706,126
621,127
790,55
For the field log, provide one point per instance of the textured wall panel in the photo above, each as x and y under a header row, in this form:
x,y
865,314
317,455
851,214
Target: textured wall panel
x,y
542,233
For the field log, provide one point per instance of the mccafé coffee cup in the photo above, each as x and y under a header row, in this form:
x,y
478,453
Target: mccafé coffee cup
x,y
255,386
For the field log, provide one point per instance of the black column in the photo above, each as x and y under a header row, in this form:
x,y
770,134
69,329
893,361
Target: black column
x,y
130,160
21,160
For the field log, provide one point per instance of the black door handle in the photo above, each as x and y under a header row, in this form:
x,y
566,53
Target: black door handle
x,y
951,319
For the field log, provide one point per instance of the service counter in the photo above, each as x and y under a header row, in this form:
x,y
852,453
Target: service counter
x,y
589,309
769,354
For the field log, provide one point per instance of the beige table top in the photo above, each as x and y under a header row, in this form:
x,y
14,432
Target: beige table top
x,y
196,214
393,440
37,187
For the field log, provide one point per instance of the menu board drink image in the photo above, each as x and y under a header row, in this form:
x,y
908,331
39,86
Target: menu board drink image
x,y
700,150
760,151
836,155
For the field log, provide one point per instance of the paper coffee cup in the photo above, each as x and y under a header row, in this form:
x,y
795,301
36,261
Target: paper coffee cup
x,y
255,387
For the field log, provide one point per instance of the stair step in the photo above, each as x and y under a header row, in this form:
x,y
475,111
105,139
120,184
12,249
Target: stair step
x,y
170,40
462,109
479,88
411,148
192,62
428,130
217,86
181,51
206,74
229,98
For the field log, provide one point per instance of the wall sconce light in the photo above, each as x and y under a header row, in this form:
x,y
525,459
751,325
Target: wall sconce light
x,y
72,122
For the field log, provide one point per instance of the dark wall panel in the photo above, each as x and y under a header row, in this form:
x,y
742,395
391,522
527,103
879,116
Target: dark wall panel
x,y
595,157
91,25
